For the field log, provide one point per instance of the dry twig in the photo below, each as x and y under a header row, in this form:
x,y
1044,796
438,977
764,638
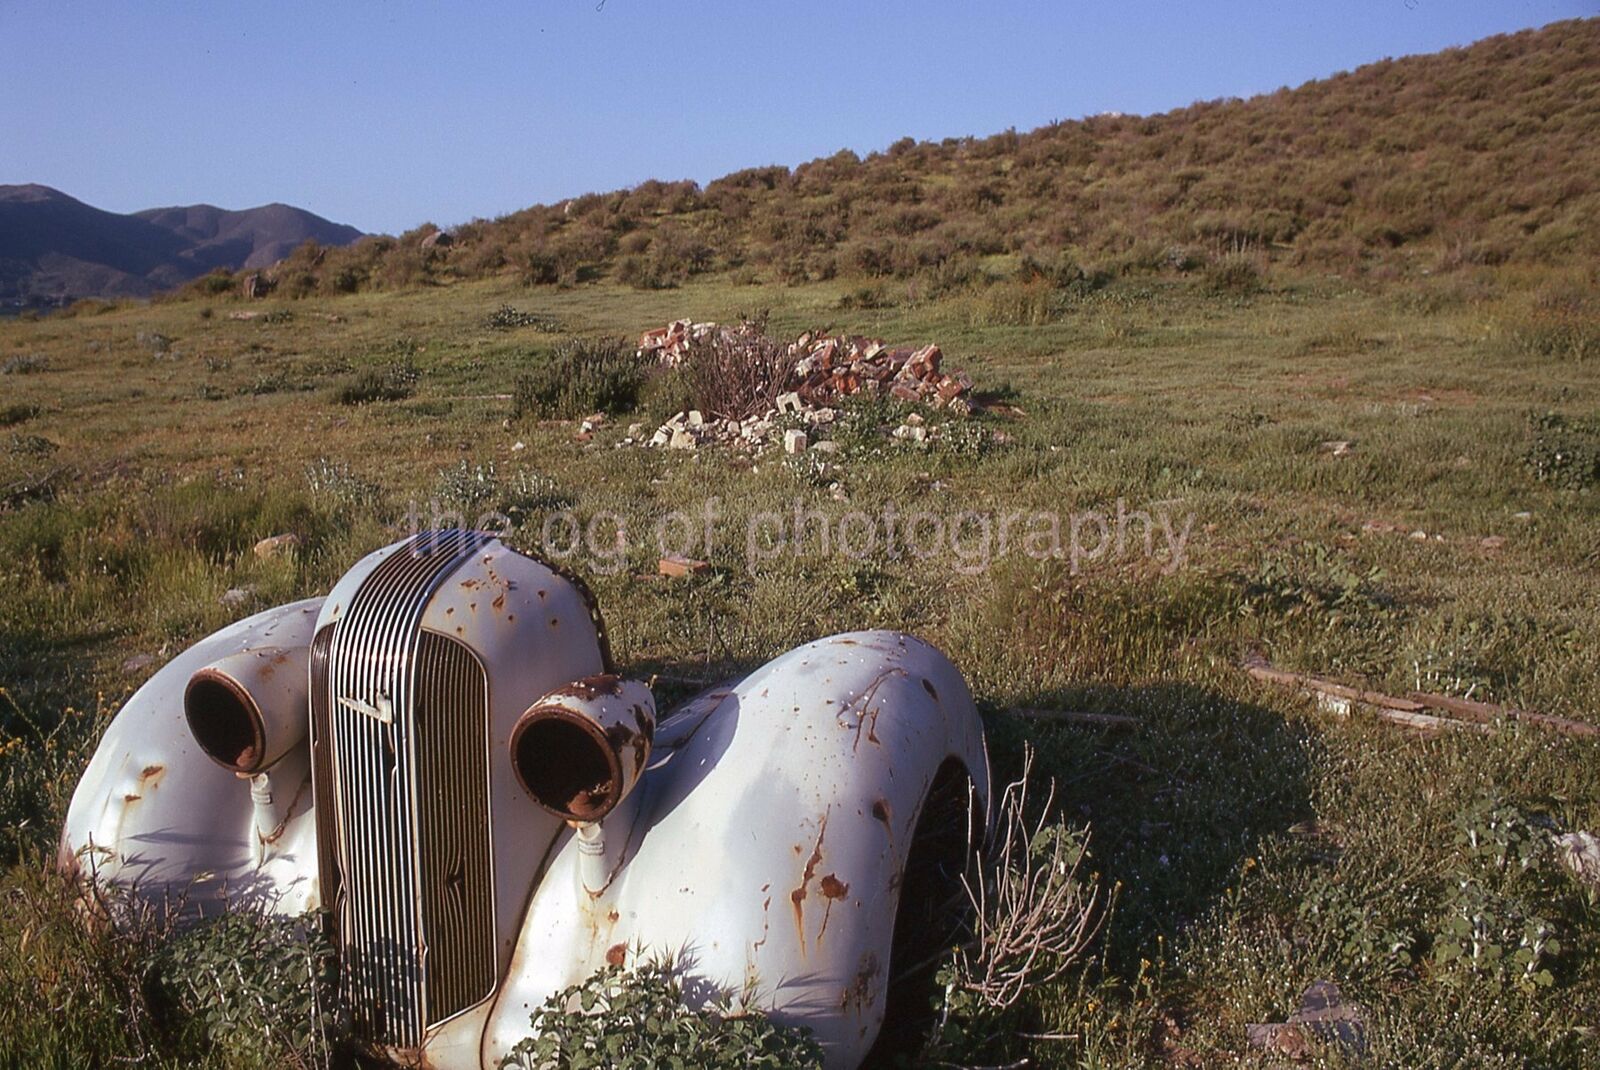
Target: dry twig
x,y
1032,914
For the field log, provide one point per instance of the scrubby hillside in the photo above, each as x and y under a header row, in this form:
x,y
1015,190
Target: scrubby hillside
x,y
1485,154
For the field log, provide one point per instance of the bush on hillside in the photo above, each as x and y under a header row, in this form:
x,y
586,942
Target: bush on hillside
x,y
1237,275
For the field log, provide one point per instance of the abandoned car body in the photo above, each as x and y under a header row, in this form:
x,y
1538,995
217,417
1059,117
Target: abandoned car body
x,y
440,754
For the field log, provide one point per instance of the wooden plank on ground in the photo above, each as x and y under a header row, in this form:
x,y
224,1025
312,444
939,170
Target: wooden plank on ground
x,y
1268,674
1418,722
1425,722
1488,713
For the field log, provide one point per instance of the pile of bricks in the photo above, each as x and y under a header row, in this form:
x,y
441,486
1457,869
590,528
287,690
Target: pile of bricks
x,y
670,344
827,369
833,367
692,429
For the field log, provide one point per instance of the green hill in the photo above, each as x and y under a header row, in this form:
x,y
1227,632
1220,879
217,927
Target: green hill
x,y
1484,154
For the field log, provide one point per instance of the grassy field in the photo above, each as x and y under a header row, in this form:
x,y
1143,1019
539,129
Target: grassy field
x,y
1257,844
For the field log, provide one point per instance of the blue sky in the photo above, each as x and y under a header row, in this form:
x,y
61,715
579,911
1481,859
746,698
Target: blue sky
x,y
385,115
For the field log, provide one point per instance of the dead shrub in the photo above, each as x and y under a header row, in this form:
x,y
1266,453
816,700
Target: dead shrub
x,y
738,371
1234,274
1033,913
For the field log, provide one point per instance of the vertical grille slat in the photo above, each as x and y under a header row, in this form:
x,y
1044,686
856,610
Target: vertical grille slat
x,y
452,778
322,766
411,881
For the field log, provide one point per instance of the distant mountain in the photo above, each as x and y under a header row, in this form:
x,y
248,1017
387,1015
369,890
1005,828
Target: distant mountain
x,y
54,248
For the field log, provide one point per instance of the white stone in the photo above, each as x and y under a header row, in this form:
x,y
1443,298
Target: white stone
x,y
794,441
1580,852
277,545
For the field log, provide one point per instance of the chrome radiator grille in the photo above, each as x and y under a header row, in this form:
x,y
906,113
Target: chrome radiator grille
x,y
452,748
400,778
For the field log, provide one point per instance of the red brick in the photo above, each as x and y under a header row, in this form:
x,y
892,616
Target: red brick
x,y
678,566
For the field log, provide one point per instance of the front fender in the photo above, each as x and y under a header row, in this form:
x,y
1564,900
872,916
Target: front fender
x,y
154,814
766,845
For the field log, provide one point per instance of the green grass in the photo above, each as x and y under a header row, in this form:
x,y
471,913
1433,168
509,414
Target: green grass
x,y
1258,844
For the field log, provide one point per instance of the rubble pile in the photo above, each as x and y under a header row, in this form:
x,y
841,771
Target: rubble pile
x,y
833,367
670,344
828,370
692,429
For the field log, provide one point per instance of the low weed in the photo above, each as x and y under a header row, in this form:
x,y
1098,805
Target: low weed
x,y
258,987
336,483
24,364
636,1019
395,381
506,318
1556,322
22,445
75,992
1564,451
